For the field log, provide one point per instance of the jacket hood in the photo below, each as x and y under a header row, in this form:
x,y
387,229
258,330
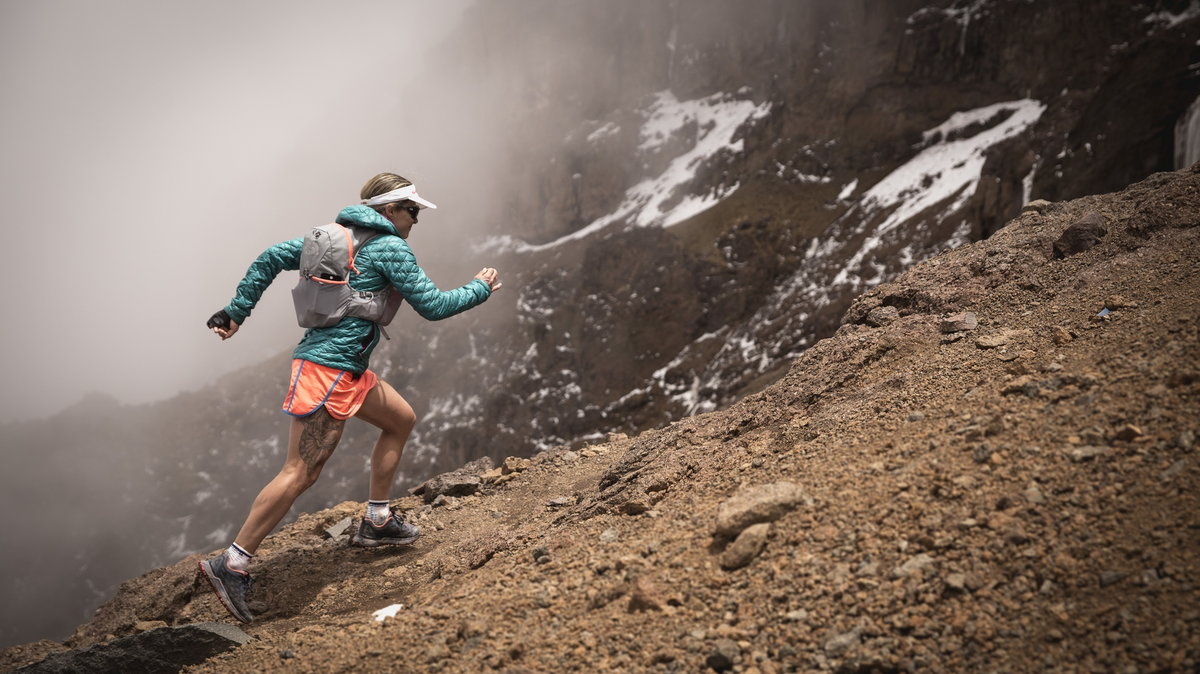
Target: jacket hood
x,y
365,216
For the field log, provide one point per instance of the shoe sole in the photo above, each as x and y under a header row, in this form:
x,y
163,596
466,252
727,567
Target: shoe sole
x,y
219,588
361,542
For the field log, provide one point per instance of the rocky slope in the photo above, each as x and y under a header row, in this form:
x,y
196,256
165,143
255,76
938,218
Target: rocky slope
x,y
991,465
686,197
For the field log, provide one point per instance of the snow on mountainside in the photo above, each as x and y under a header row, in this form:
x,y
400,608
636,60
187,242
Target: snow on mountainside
x,y
1168,19
943,175
935,184
670,197
681,246
864,248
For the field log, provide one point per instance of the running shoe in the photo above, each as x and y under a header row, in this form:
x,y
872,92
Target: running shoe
x,y
231,586
393,531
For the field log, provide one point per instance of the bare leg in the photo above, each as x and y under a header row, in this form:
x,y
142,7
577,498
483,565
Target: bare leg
x,y
391,413
310,444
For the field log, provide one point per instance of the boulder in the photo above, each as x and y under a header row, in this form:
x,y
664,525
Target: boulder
x,y
644,596
765,503
462,482
515,464
165,649
340,528
745,547
959,322
1039,206
1081,236
881,316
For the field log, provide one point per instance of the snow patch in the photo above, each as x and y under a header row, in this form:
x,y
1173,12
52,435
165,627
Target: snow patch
x,y
961,15
944,170
961,235
1167,19
452,406
1187,137
603,132
942,175
810,178
1027,185
177,546
657,201
220,535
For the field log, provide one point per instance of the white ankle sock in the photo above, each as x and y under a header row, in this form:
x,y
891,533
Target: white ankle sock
x,y
378,511
238,559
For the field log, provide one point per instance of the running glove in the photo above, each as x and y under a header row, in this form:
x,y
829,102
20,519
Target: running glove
x,y
219,320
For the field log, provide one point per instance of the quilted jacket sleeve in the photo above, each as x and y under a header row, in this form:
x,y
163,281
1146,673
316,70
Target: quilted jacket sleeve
x,y
261,273
399,266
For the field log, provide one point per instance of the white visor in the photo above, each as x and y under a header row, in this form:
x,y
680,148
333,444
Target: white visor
x,y
408,192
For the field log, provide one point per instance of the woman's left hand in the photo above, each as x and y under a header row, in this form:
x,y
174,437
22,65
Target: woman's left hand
x,y
491,277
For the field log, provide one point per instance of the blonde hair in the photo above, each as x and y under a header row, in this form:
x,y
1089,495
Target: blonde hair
x,y
381,184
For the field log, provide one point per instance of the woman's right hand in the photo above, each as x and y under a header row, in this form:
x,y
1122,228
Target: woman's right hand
x,y
491,277
221,324
226,333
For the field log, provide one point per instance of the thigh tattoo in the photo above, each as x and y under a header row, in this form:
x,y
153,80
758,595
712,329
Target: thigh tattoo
x,y
319,437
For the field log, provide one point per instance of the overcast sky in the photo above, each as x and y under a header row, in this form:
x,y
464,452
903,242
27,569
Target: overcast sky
x,y
150,149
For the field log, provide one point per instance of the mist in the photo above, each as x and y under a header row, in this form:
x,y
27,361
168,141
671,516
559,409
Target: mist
x,y
152,150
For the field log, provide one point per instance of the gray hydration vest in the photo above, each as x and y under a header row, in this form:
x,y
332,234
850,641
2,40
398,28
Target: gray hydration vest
x,y
324,296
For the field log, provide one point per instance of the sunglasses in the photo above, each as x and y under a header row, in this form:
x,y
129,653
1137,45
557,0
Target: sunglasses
x,y
412,210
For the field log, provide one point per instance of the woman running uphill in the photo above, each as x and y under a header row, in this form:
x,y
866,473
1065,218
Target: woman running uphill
x,y
330,381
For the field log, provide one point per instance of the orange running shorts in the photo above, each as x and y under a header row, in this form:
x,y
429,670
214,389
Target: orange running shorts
x,y
341,392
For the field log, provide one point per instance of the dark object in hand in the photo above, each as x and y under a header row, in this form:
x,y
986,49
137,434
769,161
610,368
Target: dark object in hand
x,y
219,320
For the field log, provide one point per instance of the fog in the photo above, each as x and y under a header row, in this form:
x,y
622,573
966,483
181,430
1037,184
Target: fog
x,y
150,150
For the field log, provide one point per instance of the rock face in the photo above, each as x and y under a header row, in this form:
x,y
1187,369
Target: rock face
x,y
694,194
690,308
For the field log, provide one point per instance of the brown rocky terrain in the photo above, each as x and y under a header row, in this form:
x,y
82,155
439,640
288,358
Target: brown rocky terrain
x,y
991,466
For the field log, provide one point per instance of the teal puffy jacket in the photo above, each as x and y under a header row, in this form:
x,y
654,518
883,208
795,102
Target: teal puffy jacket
x,y
382,261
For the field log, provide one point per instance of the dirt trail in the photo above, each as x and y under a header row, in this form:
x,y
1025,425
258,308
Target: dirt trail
x,y
1018,496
